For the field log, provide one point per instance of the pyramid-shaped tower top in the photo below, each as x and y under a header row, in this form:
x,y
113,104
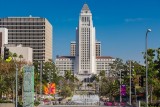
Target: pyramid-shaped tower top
x,y
85,9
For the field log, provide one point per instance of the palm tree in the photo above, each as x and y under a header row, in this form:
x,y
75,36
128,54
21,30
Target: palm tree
x,y
20,57
67,74
14,56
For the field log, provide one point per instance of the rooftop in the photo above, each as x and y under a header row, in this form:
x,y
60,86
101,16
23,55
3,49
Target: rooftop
x,y
65,57
85,7
104,57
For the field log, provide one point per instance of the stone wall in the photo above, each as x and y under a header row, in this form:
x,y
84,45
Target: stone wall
x,y
7,105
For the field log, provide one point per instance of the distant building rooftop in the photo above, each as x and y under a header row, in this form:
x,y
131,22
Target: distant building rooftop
x,y
65,57
104,57
30,16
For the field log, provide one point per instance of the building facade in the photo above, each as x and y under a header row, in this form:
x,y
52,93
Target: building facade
x,y
73,48
85,52
85,39
98,48
103,63
65,63
3,39
26,52
34,32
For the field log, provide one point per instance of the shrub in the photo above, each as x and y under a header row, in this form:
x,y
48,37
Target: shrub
x,y
36,103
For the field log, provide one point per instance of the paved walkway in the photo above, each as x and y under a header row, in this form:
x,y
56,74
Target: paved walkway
x,y
77,106
73,106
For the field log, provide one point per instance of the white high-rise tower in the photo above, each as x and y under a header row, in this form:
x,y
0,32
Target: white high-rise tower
x,y
85,53
85,43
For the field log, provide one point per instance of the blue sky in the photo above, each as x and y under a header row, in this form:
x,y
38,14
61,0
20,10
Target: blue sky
x,y
120,24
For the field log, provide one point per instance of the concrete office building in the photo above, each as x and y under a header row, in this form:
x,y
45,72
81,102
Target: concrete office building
x,y
98,48
103,63
34,32
85,52
65,63
73,48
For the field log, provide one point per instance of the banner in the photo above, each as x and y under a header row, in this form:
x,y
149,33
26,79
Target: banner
x,y
28,86
123,90
50,89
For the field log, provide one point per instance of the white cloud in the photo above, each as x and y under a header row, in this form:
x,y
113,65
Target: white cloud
x,y
134,19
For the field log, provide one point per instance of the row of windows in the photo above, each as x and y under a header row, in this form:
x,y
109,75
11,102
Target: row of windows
x,y
85,29
86,40
38,51
62,64
86,24
26,30
26,35
85,45
82,67
21,23
99,63
85,33
85,67
25,27
38,58
85,61
100,60
29,41
85,19
29,38
84,51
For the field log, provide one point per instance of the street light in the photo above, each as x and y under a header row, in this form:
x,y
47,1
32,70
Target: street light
x,y
41,64
148,30
120,98
130,83
16,84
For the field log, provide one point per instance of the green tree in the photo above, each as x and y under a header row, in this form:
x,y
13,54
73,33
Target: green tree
x,y
66,91
102,73
117,66
14,56
20,57
153,81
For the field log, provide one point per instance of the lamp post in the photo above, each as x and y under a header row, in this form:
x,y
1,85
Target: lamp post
x,y
41,79
49,84
16,102
130,83
16,85
120,98
148,30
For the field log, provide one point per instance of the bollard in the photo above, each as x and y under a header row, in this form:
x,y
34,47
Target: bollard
x,y
139,104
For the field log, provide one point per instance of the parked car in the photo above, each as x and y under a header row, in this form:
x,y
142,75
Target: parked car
x,y
123,104
115,103
46,102
108,103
